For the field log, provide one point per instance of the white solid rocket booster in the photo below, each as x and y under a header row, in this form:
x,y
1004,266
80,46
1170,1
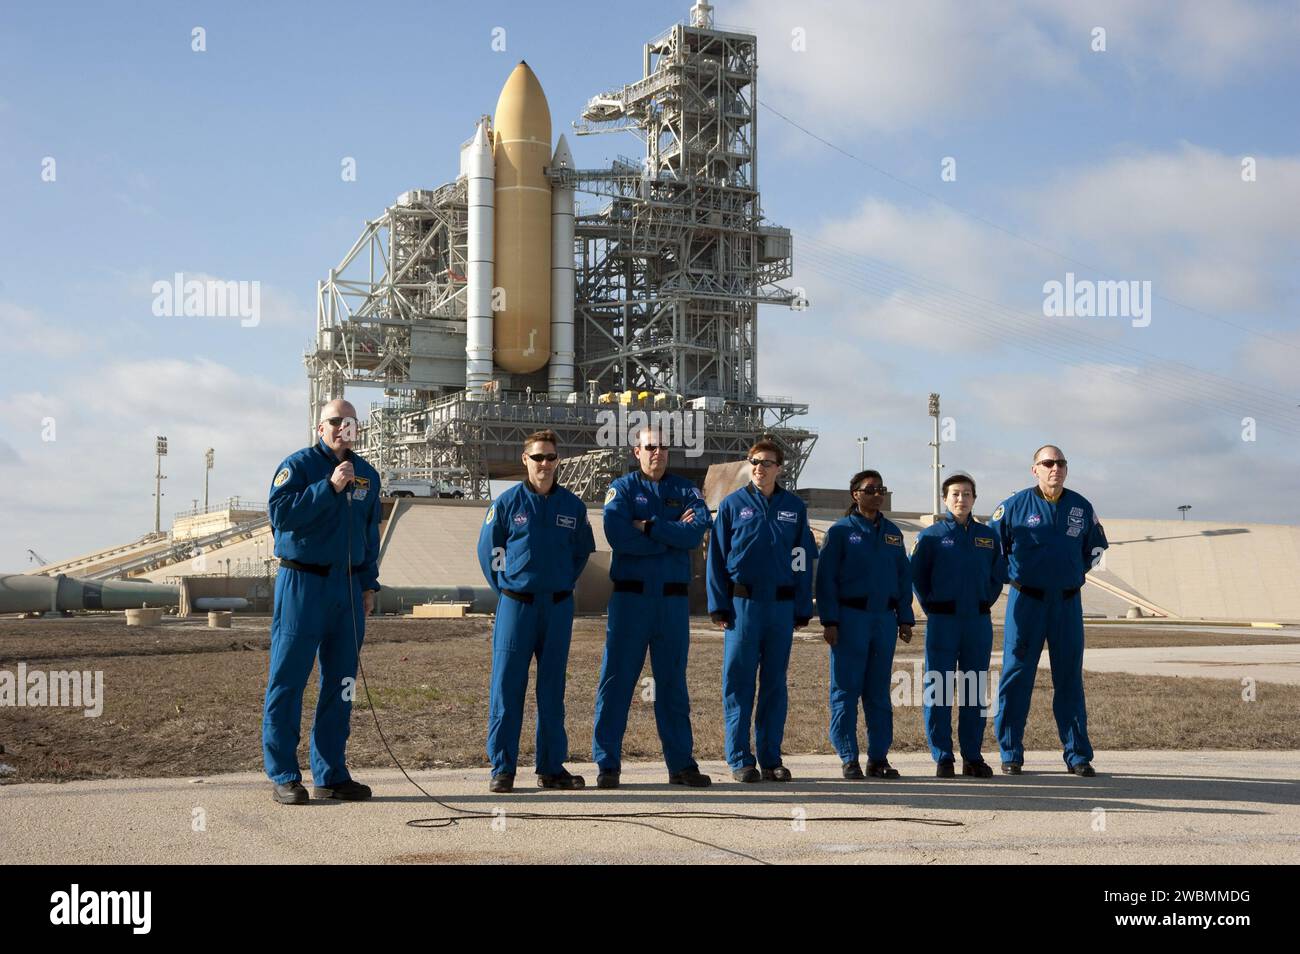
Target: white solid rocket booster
x,y
562,287
481,172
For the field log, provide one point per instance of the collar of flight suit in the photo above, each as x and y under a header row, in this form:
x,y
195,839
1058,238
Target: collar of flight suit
x,y
950,521
555,485
1039,490
327,452
875,524
776,489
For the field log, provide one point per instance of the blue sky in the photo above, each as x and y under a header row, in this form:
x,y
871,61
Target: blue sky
x,y
226,163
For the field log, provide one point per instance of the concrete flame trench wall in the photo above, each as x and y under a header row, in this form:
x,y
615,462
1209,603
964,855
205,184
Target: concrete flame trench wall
x,y
1194,570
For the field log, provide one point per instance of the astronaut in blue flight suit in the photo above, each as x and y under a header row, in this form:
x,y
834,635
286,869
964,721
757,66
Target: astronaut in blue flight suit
x,y
957,571
761,554
324,510
653,521
1051,537
532,548
864,600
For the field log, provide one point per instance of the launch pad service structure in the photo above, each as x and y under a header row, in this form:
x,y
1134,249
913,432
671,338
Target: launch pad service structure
x,y
490,307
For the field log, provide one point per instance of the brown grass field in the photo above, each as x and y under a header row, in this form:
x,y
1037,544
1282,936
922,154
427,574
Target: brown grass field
x,y
183,700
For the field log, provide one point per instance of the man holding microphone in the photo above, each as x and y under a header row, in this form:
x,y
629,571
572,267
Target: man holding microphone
x,y
324,511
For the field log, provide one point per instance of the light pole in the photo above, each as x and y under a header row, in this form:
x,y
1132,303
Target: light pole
x,y
207,461
934,413
862,453
160,451
1183,510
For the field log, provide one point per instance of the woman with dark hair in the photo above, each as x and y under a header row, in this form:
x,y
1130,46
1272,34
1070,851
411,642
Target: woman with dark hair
x,y
864,600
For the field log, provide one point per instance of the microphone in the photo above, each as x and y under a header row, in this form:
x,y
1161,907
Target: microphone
x,y
347,455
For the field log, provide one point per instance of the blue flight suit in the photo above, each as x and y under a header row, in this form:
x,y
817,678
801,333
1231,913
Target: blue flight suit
x,y
957,572
649,609
532,548
334,539
1049,548
761,555
864,586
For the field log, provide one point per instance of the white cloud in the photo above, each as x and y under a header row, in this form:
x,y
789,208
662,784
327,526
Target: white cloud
x,y
1207,43
1184,219
26,332
888,66
884,66
92,485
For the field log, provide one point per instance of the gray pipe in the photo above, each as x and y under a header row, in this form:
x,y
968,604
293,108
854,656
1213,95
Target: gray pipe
x,y
42,594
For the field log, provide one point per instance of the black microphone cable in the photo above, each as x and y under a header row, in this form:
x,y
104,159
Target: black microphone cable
x,y
620,818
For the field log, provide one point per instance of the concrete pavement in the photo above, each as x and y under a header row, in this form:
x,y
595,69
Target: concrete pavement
x,y
1144,807
1278,664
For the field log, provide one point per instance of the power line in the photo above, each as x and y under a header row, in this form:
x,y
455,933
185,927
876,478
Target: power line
x,y
1208,391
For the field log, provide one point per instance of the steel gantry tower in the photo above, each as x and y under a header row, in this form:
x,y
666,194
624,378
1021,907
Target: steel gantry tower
x,y
671,261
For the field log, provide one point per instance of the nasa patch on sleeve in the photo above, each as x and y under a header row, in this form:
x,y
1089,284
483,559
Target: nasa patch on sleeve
x,y
997,514
610,495
492,512
281,477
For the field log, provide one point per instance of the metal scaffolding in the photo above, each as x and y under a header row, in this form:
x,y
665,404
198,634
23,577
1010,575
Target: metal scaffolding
x,y
670,271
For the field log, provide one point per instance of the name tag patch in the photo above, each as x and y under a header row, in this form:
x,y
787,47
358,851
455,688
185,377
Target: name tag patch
x,y
893,541
570,523
789,516
985,542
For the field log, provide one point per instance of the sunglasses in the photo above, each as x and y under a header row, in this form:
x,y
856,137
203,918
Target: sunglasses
x,y
1049,463
872,491
548,458
759,462
651,448
337,421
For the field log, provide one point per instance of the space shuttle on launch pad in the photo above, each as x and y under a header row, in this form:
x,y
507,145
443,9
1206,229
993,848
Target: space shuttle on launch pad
x,y
520,290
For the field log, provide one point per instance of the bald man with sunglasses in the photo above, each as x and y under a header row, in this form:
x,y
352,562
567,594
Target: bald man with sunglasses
x,y
653,521
324,510
1051,537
